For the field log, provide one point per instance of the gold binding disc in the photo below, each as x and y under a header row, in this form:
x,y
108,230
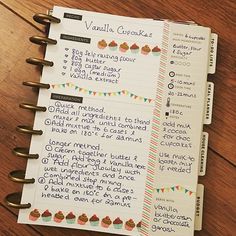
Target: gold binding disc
x,y
14,199
38,62
32,107
24,152
42,40
28,130
45,19
36,84
19,177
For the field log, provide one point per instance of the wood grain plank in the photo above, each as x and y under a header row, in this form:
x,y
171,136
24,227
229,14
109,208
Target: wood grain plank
x,y
14,48
219,200
8,226
222,131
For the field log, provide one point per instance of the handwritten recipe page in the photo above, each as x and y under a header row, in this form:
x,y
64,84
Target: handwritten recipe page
x,y
122,130
96,132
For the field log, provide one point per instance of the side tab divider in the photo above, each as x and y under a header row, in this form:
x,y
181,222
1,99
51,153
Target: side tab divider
x,y
203,154
199,207
212,54
208,104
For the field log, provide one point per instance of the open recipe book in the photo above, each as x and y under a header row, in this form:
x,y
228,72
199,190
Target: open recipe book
x,y
122,141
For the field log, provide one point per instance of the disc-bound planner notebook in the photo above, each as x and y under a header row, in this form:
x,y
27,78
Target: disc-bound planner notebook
x,y
117,142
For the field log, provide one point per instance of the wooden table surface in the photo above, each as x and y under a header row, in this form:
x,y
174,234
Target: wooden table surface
x,y
16,26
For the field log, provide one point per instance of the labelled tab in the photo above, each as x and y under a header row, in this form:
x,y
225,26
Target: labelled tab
x,y
212,54
72,16
199,207
66,98
75,38
209,103
203,154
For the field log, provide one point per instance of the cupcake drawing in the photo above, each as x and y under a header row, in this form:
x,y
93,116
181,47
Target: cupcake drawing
x,y
58,217
82,219
134,48
129,225
34,215
124,47
46,216
102,44
94,220
145,50
112,45
156,51
106,222
118,223
70,218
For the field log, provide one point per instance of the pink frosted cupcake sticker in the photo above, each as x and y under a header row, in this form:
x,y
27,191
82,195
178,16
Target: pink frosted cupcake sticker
x,y
82,219
145,50
129,225
124,47
34,215
106,222
102,44
58,217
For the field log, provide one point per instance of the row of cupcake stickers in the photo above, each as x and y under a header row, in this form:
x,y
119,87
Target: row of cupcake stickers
x,y
134,48
83,219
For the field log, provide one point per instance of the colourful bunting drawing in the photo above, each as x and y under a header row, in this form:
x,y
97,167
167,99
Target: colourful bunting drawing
x,y
175,188
104,94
